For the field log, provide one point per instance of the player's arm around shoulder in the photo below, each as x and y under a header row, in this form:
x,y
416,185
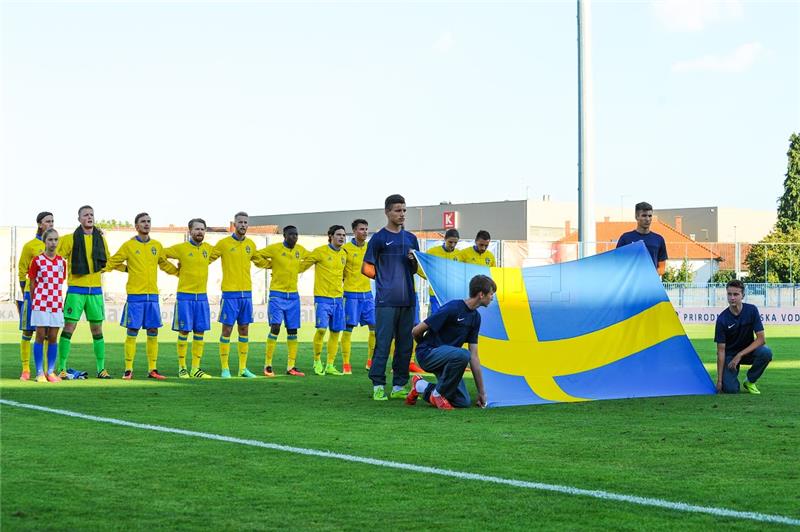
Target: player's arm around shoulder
x,y
216,251
117,260
164,264
310,259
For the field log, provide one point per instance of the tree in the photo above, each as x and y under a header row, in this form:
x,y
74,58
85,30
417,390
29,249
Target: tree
x,y
684,274
789,202
777,260
723,276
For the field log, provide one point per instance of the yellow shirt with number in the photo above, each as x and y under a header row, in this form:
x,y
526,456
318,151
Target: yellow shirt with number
x,y
143,259
354,280
285,265
328,272
192,265
236,258
470,256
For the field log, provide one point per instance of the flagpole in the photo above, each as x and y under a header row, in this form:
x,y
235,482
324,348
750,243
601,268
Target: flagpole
x,y
586,223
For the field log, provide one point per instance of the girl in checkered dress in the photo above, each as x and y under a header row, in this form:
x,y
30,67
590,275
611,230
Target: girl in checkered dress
x,y
47,273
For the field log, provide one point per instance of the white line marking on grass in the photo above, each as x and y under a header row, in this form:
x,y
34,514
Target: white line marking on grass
x,y
567,490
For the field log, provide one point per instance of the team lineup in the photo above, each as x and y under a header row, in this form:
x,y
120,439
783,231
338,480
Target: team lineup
x,y
343,300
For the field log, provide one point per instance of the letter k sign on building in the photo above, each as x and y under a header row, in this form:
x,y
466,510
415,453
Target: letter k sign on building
x,y
449,219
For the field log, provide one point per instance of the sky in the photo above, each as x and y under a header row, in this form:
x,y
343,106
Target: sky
x,y
185,109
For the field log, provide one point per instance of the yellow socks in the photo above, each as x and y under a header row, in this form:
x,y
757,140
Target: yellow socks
x,y
333,347
318,337
25,352
197,350
224,351
272,341
130,351
291,344
347,346
371,344
243,349
183,347
151,349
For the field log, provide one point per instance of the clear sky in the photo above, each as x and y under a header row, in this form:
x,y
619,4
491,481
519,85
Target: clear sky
x,y
186,109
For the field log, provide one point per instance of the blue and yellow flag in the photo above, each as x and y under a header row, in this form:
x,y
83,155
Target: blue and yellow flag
x,y
596,328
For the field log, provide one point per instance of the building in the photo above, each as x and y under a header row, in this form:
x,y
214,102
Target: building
x,y
720,224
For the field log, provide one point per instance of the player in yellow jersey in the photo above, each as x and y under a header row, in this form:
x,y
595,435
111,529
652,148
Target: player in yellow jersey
x,y
359,304
446,251
142,257
32,248
284,300
86,253
479,254
237,253
192,313
329,261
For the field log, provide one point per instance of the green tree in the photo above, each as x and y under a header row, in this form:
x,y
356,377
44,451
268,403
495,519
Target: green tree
x,y
789,202
777,260
684,274
722,276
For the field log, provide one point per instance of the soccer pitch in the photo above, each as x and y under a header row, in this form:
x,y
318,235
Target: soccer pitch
x,y
243,454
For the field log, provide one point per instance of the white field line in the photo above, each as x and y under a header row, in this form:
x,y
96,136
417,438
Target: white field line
x,y
566,490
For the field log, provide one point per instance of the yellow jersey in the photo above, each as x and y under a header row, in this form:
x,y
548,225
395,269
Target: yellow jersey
x,y
236,258
89,280
31,249
192,265
438,251
354,280
143,258
329,270
285,265
470,256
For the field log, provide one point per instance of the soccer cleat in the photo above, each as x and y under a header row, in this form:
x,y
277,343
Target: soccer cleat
x,y
200,374
156,375
399,394
347,369
440,402
225,374
103,375
379,394
52,377
268,371
414,368
41,378
128,375
183,374
318,369
63,375
750,387
25,376
294,372
413,395
369,363
330,369
247,374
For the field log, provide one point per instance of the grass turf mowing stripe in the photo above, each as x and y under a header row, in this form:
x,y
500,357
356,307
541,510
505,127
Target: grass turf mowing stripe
x,y
567,490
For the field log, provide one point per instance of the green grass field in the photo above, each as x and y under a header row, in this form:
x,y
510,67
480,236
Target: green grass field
x,y
736,452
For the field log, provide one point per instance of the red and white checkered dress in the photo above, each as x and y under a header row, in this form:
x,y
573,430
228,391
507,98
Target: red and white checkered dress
x,y
49,275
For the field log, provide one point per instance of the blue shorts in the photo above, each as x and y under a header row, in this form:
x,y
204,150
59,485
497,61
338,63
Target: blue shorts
x,y
237,307
141,311
359,309
24,308
435,306
191,313
284,307
330,313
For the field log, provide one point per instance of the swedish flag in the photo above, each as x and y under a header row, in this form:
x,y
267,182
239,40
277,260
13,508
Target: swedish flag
x,y
595,328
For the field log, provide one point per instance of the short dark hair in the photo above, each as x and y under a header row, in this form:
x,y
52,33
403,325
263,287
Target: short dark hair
x,y
80,209
197,221
332,229
139,217
42,215
481,283
289,227
241,213
643,206
483,235
736,283
393,200
450,233
357,222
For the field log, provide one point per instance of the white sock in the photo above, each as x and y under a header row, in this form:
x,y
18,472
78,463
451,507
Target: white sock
x,y
397,388
376,387
421,386
435,393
